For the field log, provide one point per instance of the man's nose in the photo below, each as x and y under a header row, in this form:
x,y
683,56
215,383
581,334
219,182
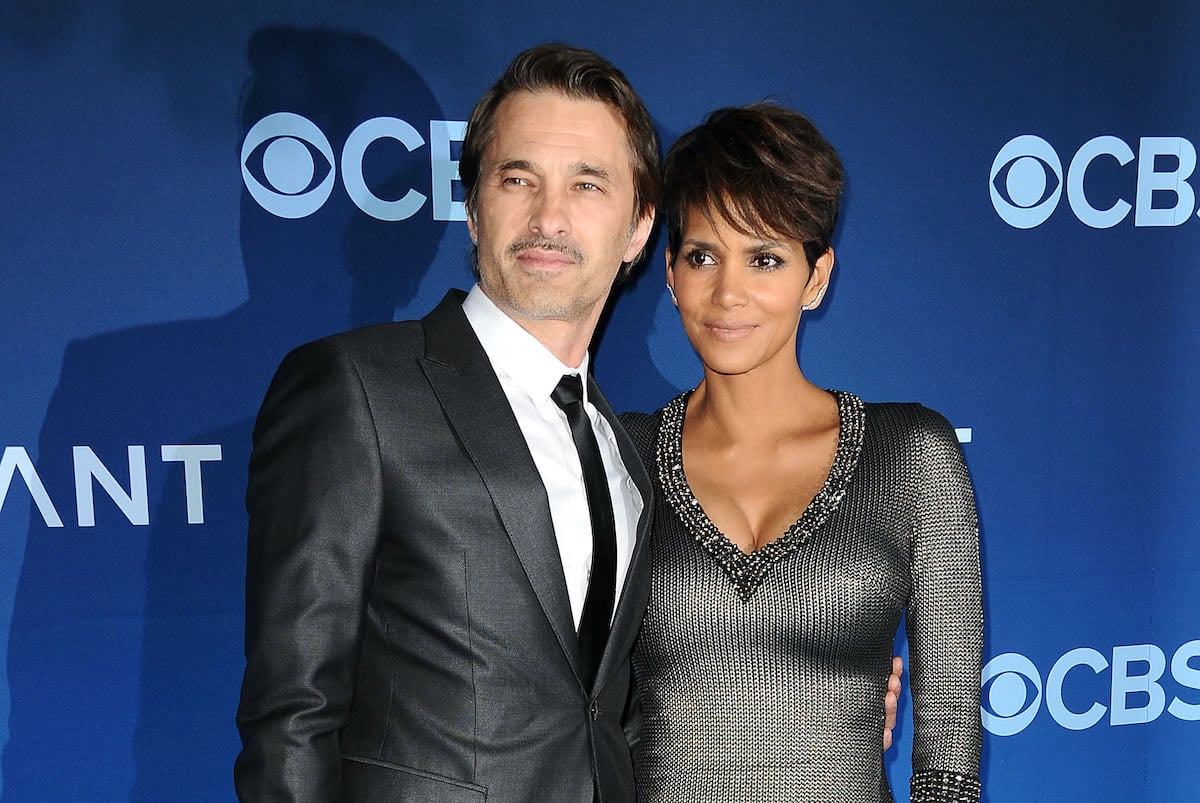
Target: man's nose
x,y
549,215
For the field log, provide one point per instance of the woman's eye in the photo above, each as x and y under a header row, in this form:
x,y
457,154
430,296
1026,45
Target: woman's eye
x,y
767,261
700,258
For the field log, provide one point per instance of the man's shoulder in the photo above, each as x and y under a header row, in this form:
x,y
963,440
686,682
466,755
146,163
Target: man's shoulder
x,y
388,342
391,335
395,339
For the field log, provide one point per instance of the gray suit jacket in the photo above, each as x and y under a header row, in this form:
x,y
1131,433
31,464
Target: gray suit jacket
x,y
408,632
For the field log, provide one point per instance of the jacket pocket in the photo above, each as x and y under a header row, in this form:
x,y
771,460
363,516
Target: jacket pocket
x,y
369,779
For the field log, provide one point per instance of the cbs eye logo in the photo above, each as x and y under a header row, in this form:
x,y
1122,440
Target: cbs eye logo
x,y
1026,181
288,166
1012,694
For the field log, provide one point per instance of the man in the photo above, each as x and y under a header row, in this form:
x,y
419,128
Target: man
x,y
419,545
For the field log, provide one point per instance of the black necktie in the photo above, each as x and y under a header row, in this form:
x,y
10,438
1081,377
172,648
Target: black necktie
x,y
602,584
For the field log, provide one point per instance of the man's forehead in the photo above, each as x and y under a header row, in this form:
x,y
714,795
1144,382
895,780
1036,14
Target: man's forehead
x,y
553,118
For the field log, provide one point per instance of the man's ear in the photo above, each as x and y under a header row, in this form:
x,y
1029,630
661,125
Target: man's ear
x,y
471,224
638,236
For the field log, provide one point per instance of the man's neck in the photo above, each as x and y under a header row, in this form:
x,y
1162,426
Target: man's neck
x,y
566,341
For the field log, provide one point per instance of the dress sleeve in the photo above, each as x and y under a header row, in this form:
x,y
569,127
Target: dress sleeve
x,y
945,623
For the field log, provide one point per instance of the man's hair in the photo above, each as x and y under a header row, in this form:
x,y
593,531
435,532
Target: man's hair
x,y
762,168
578,74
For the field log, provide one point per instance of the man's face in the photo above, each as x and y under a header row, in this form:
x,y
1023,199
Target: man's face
x,y
554,216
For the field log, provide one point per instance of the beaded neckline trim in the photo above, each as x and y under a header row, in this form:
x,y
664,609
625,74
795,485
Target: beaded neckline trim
x,y
747,571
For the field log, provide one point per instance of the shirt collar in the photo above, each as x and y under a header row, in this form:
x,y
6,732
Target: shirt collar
x,y
514,352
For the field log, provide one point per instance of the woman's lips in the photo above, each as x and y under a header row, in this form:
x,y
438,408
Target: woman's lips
x,y
730,331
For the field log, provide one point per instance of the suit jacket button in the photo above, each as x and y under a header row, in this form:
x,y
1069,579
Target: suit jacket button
x,y
594,711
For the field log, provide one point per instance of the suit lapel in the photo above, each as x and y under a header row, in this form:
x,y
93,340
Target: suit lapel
x,y
475,405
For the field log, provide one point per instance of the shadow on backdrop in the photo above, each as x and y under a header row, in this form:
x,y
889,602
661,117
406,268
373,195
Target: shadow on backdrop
x,y
624,364
116,620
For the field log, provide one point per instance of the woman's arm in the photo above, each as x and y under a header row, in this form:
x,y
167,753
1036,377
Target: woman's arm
x,y
945,623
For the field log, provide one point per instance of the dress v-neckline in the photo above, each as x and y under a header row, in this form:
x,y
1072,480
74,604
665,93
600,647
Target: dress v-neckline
x,y
747,570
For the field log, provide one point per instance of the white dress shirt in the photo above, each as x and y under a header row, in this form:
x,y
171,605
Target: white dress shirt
x,y
528,373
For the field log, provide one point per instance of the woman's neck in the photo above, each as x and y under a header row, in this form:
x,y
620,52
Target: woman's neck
x,y
756,406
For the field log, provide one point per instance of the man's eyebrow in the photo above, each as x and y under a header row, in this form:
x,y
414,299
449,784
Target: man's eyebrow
x,y
515,164
589,169
576,169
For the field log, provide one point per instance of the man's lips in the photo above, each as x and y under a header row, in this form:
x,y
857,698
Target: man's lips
x,y
541,256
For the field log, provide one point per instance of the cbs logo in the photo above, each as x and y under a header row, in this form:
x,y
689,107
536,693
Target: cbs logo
x,y
1013,689
1027,181
294,185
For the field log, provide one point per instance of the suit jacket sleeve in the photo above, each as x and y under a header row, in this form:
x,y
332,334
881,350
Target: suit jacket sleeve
x,y
314,499
643,431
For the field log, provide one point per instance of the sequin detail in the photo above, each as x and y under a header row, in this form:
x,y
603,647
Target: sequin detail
x,y
747,571
944,787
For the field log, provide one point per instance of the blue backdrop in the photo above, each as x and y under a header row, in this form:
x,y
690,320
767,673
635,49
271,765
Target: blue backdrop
x,y
189,190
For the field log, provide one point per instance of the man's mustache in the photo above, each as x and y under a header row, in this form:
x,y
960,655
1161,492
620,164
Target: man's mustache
x,y
546,244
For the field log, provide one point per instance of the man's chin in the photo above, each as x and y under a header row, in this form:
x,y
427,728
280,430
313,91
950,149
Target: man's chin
x,y
545,306
541,298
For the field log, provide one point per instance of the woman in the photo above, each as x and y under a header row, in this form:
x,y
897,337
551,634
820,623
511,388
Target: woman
x,y
795,525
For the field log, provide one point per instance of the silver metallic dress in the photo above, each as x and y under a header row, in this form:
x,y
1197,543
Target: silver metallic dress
x,y
762,676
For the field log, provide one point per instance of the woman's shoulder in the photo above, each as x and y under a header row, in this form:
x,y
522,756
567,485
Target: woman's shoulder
x,y
909,424
643,428
643,431
634,420
913,415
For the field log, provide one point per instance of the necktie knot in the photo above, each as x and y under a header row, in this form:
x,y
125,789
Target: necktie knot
x,y
569,390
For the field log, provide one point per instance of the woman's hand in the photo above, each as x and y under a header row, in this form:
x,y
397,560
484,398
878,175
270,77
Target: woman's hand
x,y
890,698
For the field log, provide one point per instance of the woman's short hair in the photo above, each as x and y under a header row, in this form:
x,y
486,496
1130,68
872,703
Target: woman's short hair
x,y
762,168
574,73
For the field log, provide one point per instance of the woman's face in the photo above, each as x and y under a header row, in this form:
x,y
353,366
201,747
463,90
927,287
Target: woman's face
x,y
740,296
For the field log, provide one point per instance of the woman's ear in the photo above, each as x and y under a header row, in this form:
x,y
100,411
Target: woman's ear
x,y
670,264
818,281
